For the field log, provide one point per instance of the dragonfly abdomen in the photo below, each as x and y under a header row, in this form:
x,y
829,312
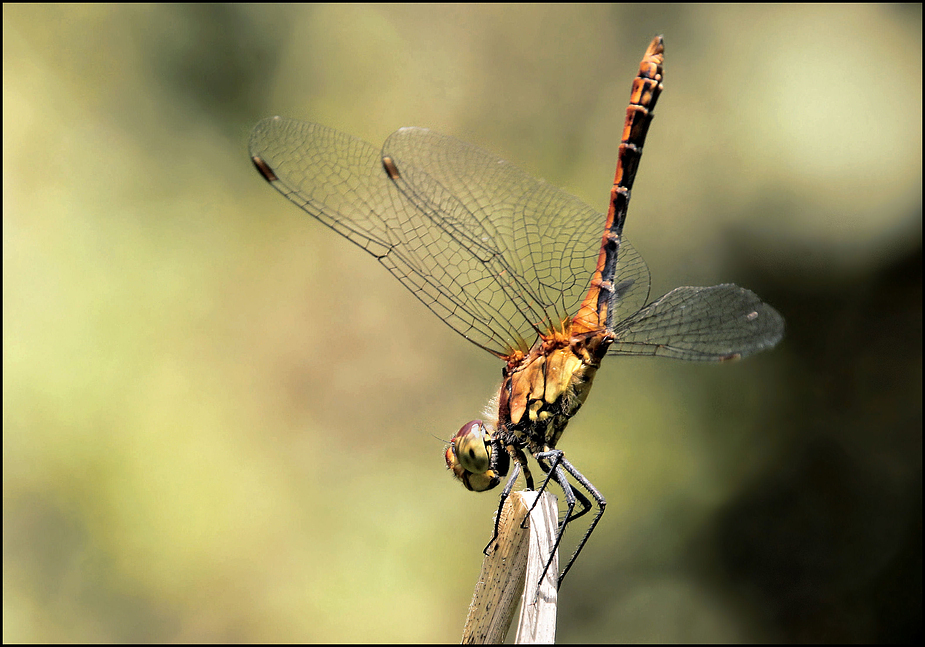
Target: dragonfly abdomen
x,y
596,311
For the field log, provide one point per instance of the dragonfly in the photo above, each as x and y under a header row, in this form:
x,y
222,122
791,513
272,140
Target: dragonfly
x,y
521,269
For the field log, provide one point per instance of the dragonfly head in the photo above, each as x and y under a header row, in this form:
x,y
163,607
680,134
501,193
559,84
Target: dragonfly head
x,y
476,458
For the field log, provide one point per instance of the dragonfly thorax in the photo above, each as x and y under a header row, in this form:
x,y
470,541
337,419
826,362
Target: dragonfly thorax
x,y
544,390
540,392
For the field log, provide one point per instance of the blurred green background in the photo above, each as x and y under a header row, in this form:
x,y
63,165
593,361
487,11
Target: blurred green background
x,y
221,420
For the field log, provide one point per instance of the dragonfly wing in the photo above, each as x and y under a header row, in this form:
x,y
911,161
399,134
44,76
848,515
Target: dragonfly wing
x,y
341,181
705,324
495,253
547,240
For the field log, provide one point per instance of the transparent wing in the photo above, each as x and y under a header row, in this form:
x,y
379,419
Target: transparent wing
x,y
716,323
495,253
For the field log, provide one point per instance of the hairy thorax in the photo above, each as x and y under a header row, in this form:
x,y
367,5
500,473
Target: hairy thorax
x,y
543,389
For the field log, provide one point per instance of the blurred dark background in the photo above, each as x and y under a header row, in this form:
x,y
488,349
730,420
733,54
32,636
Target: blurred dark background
x,y
219,418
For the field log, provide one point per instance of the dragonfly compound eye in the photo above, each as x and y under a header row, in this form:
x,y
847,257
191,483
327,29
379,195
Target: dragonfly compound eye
x,y
469,456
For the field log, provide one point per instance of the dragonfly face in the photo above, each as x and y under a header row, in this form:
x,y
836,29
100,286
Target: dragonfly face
x,y
502,257
476,457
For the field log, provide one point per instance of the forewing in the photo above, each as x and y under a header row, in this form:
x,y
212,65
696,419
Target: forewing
x,y
497,254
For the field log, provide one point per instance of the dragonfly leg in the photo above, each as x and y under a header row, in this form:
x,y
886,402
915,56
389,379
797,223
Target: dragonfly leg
x,y
520,465
558,464
572,496
601,504
558,458
505,493
521,459
548,470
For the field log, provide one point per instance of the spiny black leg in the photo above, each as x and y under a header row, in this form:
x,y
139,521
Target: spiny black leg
x,y
558,457
505,493
598,497
541,458
569,493
585,504
548,471
521,459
